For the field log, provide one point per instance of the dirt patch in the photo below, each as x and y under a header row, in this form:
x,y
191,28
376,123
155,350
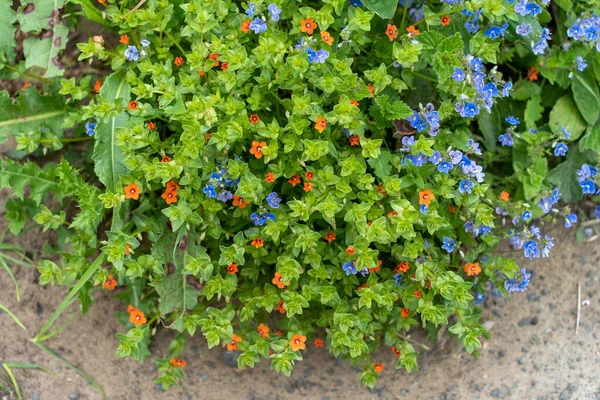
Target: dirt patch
x,y
533,353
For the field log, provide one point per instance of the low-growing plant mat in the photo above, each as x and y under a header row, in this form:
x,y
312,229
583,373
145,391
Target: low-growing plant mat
x,y
533,353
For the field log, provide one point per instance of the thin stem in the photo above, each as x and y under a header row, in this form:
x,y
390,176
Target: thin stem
x,y
175,41
69,140
28,74
424,76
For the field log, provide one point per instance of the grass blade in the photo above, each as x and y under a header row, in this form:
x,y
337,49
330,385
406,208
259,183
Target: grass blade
x,y
12,276
81,372
29,366
13,316
13,381
67,301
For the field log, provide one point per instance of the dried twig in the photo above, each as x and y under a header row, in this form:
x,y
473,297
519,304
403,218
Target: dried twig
x,y
578,307
137,6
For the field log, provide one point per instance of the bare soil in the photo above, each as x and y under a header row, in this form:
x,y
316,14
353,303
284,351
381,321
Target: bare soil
x,y
533,353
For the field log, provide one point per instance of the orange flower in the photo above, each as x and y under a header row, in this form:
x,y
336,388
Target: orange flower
x,y
396,351
151,125
532,74
327,38
124,39
25,85
425,197
263,330
132,191
402,267
171,186
270,177
308,186
110,283
127,249
321,124
239,202
318,342
354,103
354,140
224,66
235,339
178,61
170,197
132,105
417,294
165,159
472,269
330,236
371,89
257,149
245,26
202,73
207,135
393,213
280,307
297,342
405,312
214,57
136,316
504,196
258,242
350,250
308,26
377,268
378,368
232,268
451,208
294,180
445,20
254,119
309,175
176,362
391,33
97,86
98,39
363,286
412,31
278,280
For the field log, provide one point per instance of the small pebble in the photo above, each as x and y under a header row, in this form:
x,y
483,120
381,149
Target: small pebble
x,y
73,396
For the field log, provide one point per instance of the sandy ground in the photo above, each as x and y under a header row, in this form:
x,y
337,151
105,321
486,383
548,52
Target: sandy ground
x,y
533,353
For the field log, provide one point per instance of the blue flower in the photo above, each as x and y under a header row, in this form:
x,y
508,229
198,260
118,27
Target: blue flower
x,y
356,3
596,212
524,29
489,90
448,244
548,244
591,34
531,250
474,146
145,43
588,187
539,47
533,9
535,231
465,186
224,196
570,220
484,230
507,88
546,35
258,26
398,279
555,197
575,31
423,208
560,150
458,75
494,32
131,53
455,156
350,268
566,133
585,172
90,128
526,215
469,110
408,142
506,139
209,190
250,11
546,204
476,63
261,219
300,45
520,8
433,118
479,298
511,285
273,200
417,122
581,64
435,158
472,26
322,56
512,120
274,11
516,241
445,167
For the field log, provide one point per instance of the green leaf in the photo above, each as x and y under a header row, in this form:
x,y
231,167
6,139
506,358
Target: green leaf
x,y
314,149
591,139
565,114
16,177
408,54
7,29
381,165
564,176
384,8
31,112
108,158
44,52
564,4
533,111
34,15
586,96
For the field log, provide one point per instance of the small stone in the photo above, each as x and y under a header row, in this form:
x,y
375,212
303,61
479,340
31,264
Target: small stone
x,y
521,360
571,387
73,396
525,350
498,393
533,297
230,358
403,392
35,396
564,396
159,388
204,377
528,321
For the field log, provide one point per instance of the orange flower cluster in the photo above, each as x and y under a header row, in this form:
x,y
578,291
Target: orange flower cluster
x,y
170,194
278,280
178,363
136,316
110,283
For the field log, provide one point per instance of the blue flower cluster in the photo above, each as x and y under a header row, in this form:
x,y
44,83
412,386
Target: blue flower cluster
x,y
585,178
90,128
448,244
428,117
472,24
547,202
586,30
512,285
486,87
315,57
219,185
531,241
132,53
262,216
494,32
474,230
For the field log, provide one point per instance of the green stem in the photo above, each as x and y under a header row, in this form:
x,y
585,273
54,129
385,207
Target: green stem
x,y
424,77
69,140
175,42
404,15
28,74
